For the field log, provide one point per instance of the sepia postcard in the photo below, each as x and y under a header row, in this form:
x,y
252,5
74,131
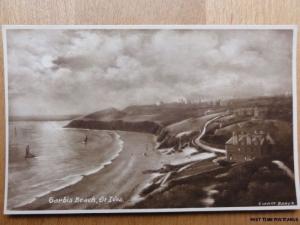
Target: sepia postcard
x,y
150,118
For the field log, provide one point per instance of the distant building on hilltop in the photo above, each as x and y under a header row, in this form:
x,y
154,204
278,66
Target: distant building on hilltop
x,y
257,113
243,146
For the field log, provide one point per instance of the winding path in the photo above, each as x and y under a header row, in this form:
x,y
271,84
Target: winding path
x,y
199,143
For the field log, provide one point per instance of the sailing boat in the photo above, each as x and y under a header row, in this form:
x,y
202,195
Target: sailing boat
x,y
85,139
28,154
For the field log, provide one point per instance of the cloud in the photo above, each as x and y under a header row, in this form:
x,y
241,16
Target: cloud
x,y
81,71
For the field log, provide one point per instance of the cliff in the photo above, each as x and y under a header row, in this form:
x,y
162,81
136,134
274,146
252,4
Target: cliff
x,y
175,125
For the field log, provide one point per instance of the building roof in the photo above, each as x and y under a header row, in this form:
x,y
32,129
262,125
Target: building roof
x,y
251,139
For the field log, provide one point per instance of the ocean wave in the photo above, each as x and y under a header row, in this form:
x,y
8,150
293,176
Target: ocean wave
x,y
75,179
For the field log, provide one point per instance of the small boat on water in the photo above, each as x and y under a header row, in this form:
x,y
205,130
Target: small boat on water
x,y
28,154
85,139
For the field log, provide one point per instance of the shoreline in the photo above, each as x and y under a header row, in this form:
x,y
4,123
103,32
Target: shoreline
x,y
118,143
111,181
121,183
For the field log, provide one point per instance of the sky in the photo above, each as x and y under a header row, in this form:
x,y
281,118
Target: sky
x,y
60,72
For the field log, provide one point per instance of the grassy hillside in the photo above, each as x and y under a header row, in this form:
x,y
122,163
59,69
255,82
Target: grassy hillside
x,y
191,124
166,121
161,114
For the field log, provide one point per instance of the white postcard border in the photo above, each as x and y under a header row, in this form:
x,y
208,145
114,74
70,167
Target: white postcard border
x,y
166,27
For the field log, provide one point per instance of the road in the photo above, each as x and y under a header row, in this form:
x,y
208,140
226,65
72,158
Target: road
x,y
197,141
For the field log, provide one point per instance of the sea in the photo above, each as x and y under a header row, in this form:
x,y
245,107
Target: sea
x,y
62,158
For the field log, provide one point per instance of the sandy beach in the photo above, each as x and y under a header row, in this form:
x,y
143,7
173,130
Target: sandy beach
x,y
115,184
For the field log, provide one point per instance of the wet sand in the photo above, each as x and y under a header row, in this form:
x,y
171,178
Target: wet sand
x,y
114,185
